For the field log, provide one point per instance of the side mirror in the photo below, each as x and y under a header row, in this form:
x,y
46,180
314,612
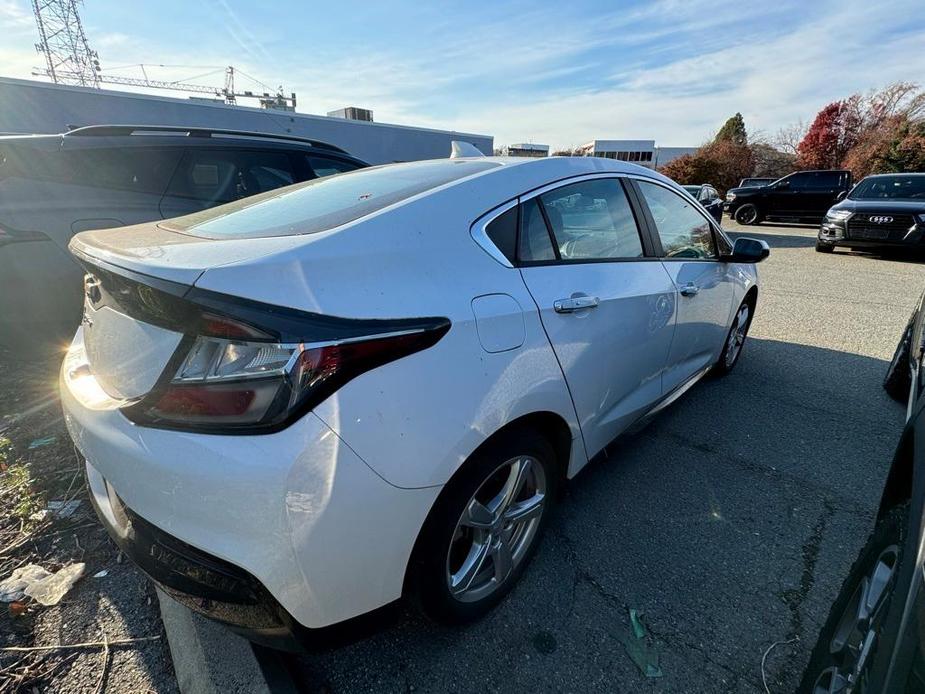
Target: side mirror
x,y
841,195
746,250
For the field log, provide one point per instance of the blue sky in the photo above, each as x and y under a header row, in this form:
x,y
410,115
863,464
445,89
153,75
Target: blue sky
x,y
561,73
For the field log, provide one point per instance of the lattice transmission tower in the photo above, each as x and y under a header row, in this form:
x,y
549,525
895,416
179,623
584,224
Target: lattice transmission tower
x,y
68,56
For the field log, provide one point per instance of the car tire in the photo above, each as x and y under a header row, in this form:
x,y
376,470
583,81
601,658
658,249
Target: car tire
x,y
834,656
824,248
747,215
449,544
898,378
735,339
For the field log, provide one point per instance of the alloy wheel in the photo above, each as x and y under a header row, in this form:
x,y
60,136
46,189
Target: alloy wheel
x,y
853,641
737,335
747,215
496,529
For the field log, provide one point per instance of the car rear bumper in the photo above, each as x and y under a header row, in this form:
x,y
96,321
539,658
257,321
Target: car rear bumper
x,y
293,519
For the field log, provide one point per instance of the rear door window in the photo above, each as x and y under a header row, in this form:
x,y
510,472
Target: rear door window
x,y
213,177
326,166
592,220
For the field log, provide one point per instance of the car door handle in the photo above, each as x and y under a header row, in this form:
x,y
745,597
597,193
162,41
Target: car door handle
x,y
690,290
575,303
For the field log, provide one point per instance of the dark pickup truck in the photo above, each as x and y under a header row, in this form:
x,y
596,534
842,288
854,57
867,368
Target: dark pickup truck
x,y
801,196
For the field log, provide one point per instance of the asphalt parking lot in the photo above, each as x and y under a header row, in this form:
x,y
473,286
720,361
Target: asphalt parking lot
x,y
728,522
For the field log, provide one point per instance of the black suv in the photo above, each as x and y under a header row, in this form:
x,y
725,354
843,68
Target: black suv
x,y
883,211
801,196
54,186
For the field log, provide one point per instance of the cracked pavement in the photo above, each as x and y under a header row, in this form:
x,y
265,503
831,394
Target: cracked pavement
x,y
728,522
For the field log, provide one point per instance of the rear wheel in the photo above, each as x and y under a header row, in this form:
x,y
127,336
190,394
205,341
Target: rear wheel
x,y
898,378
748,214
735,340
847,642
485,527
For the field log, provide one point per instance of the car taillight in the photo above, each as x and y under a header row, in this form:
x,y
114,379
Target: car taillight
x,y
227,385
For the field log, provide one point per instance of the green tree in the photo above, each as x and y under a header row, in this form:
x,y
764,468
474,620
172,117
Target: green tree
x,y
733,131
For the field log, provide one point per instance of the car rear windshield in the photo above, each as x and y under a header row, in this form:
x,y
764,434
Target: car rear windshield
x,y
890,188
324,203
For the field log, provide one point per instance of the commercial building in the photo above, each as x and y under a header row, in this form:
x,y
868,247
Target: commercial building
x,y
526,150
642,152
29,106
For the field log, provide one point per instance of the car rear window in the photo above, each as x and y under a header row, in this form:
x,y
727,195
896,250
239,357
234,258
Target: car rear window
x,y
324,203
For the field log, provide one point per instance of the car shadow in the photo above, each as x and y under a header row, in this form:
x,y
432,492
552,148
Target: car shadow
x,y
728,521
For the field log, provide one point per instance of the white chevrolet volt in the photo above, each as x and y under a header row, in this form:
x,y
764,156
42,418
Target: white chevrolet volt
x,y
298,407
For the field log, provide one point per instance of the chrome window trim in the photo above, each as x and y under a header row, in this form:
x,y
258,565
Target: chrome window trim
x,y
479,231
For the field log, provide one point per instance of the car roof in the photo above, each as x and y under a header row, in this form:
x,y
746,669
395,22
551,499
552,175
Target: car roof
x,y
915,174
159,135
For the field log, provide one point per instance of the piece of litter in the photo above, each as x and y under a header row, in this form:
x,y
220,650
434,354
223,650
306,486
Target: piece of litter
x,y
39,515
100,574
13,588
639,651
50,590
639,631
38,443
41,585
17,608
644,657
63,509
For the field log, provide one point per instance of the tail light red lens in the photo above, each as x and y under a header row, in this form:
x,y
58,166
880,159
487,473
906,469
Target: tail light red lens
x,y
227,386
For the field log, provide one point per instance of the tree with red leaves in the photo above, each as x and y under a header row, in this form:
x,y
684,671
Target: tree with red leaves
x,y
831,136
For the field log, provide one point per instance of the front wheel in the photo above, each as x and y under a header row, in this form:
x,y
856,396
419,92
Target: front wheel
x,y
747,215
824,248
848,641
485,527
735,340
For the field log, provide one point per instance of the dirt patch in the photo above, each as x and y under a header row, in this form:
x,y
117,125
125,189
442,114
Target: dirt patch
x,y
38,465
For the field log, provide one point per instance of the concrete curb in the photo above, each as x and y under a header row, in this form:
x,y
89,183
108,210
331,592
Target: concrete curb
x,y
208,658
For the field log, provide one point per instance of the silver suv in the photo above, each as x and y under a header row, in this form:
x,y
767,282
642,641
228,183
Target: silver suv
x,y
54,186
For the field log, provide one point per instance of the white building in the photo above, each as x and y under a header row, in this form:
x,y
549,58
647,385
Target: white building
x,y
642,152
29,106
526,149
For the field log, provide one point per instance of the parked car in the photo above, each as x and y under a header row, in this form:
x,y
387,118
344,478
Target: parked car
x,y
883,211
755,182
802,196
306,405
707,196
54,186
872,640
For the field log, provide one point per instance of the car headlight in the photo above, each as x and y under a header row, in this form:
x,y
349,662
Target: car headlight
x,y
837,215
730,197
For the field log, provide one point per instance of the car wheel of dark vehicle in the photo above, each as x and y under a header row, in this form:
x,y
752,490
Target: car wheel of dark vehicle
x,y
824,248
748,214
848,640
898,378
485,527
735,340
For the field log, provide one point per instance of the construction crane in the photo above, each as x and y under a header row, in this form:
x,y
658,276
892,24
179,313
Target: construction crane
x,y
70,60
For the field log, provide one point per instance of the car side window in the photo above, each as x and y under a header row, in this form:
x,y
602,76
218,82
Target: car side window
x,y
798,181
534,244
323,166
825,180
683,231
592,220
502,231
214,177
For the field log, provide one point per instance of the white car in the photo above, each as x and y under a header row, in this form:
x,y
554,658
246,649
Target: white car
x,y
306,404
